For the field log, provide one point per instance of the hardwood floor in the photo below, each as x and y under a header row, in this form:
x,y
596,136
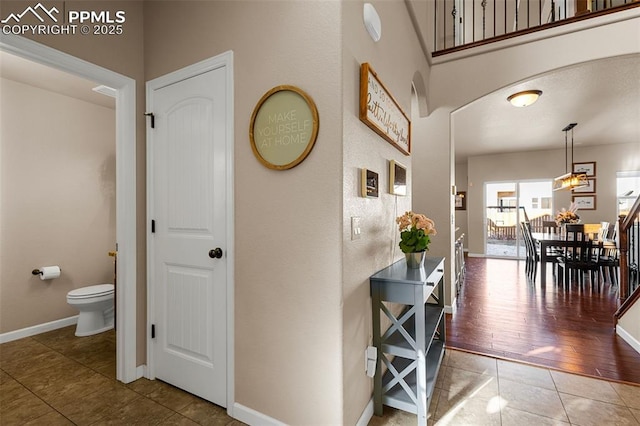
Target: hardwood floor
x,y
500,313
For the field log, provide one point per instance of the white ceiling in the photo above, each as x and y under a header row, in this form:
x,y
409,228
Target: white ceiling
x,y
602,96
24,71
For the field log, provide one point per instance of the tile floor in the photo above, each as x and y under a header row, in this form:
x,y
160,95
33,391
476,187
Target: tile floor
x,y
478,390
58,379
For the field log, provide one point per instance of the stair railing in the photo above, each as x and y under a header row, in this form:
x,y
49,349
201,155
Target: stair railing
x,y
629,243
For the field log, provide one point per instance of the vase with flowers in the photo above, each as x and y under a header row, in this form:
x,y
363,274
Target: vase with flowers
x,y
415,231
565,216
569,215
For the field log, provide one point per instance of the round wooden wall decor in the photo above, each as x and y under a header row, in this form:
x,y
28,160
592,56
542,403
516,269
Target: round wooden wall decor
x,y
284,127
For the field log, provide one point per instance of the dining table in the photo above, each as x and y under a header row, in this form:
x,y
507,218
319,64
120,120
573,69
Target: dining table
x,y
546,240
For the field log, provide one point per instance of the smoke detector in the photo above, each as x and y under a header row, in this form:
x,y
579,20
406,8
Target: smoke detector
x,y
372,21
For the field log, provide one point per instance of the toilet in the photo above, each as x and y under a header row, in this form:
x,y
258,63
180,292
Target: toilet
x,y
95,304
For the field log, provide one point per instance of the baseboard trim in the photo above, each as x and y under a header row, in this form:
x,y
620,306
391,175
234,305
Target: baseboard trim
x,y
141,371
253,417
635,344
451,309
476,254
367,414
37,329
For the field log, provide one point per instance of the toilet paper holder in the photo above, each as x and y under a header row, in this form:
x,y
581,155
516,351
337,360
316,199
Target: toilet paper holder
x,y
39,272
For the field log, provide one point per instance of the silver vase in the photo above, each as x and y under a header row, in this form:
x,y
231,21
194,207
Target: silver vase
x,y
415,260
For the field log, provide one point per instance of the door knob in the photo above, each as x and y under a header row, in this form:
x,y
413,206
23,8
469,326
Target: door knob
x,y
215,253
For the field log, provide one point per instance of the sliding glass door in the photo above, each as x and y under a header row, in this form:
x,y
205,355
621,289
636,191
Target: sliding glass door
x,y
506,205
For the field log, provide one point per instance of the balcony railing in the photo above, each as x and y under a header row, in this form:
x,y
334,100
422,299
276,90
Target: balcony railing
x,y
460,24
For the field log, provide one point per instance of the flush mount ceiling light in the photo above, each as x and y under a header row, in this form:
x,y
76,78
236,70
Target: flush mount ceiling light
x,y
372,21
523,99
569,180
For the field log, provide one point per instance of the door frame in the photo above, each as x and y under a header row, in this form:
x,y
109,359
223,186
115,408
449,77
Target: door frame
x,y
223,60
126,370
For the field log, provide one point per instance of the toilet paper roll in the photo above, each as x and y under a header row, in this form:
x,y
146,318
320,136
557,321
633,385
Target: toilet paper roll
x,y
49,272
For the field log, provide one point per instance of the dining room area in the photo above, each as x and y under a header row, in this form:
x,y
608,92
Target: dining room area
x,y
584,252
558,299
543,283
550,228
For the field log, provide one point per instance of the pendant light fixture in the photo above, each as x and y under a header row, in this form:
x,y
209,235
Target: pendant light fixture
x,y
569,180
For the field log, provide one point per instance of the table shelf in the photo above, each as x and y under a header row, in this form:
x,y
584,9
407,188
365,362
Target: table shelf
x,y
396,344
397,397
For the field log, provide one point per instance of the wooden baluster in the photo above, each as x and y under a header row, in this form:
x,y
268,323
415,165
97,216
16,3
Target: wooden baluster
x,y
623,292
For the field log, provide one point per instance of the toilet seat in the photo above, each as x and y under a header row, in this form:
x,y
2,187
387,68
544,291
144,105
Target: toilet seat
x,y
91,291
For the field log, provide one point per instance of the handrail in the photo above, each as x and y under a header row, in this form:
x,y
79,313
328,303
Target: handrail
x,y
625,222
630,218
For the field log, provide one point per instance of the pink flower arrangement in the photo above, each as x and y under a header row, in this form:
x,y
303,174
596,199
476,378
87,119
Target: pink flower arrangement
x,y
415,229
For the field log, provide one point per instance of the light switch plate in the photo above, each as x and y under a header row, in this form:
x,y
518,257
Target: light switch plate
x,y
356,231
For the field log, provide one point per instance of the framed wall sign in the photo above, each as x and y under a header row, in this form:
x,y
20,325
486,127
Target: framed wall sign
x,y
369,184
380,111
461,200
284,127
589,189
397,178
585,202
588,168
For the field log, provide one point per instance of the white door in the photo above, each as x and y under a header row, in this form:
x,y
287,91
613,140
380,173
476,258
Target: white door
x,y
188,265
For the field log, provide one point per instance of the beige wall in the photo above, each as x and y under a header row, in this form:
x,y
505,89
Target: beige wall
x,y
58,201
362,148
433,179
630,322
546,165
288,235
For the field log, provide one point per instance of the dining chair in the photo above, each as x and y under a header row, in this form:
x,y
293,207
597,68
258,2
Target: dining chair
x,y
575,232
592,230
533,253
613,231
609,260
581,256
533,256
553,253
528,253
604,231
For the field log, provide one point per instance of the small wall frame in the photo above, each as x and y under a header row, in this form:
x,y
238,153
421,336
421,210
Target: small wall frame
x,y
588,168
461,200
585,202
369,184
589,189
397,178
